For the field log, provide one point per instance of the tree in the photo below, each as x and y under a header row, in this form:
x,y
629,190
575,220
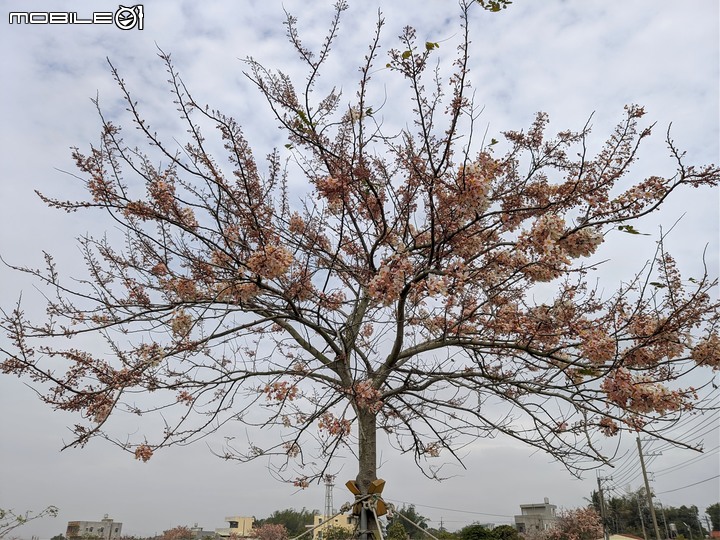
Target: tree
x,y
475,532
270,531
407,516
336,532
294,521
178,533
58,537
443,534
714,512
9,520
505,532
422,270
396,531
577,524
684,517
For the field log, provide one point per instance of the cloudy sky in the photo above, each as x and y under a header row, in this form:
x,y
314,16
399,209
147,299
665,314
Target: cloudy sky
x,y
569,58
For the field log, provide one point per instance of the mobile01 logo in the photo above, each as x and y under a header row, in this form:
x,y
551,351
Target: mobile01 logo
x,y
125,18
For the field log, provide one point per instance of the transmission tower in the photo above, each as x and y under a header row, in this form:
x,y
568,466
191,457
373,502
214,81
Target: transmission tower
x,y
329,484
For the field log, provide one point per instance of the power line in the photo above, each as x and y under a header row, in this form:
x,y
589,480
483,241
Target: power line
x,y
690,485
450,509
692,461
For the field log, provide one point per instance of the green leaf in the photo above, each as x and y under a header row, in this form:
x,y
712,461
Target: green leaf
x,y
368,111
289,146
430,45
630,230
493,141
406,55
304,118
658,284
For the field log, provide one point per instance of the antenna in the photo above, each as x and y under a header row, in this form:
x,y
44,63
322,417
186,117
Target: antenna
x,y
329,484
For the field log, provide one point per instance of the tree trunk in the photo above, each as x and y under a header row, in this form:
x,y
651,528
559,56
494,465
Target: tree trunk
x,y
367,466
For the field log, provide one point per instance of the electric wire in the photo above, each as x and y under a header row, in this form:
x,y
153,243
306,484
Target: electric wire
x,y
689,485
673,468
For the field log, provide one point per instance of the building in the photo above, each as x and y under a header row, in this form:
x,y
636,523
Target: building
x,y
536,517
237,525
105,529
322,523
200,534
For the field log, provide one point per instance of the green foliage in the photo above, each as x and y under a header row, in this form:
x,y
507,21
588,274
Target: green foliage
x,y
335,532
442,534
684,515
396,531
293,520
623,514
476,531
714,512
58,537
406,516
506,532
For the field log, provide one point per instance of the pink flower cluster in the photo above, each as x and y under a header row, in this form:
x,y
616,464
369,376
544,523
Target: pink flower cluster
x,y
185,398
334,425
143,452
707,352
582,243
637,395
390,279
366,396
162,193
597,346
292,449
333,190
280,391
270,261
181,324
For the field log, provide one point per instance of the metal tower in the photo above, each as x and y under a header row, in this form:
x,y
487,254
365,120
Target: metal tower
x,y
329,484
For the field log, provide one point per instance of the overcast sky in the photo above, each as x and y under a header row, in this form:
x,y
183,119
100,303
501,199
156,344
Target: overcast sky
x,y
568,58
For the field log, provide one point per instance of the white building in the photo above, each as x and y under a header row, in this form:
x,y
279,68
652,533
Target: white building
x,y
536,517
105,529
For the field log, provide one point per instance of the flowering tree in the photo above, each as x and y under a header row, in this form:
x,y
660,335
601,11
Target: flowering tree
x,y
427,286
270,531
578,524
178,533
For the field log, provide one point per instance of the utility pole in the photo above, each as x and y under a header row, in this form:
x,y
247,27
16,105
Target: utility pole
x,y
606,534
662,510
648,492
642,521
